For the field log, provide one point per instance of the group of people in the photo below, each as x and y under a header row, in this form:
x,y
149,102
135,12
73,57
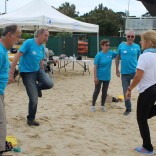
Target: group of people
x,y
140,68
128,52
136,67
31,67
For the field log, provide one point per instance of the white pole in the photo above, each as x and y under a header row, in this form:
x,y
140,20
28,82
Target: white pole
x,y
128,8
5,6
43,22
97,42
120,31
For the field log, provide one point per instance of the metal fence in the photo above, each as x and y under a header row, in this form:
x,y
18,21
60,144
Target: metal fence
x,y
114,43
69,45
60,45
141,24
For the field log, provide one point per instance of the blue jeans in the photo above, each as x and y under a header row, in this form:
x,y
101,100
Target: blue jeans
x,y
33,82
126,80
2,124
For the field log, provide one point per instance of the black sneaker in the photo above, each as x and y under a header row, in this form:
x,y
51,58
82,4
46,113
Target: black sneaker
x,y
127,112
39,93
33,123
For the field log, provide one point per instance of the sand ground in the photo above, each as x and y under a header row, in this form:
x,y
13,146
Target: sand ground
x,y
68,128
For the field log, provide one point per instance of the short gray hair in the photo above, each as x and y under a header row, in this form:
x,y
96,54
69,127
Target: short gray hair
x,y
39,32
130,31
9,28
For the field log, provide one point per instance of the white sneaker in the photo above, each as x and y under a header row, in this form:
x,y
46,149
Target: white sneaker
x,y
103,109
92,109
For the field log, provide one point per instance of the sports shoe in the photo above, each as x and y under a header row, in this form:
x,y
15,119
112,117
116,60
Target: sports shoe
x,y
142,150
103,109
127,111
92,109
32,123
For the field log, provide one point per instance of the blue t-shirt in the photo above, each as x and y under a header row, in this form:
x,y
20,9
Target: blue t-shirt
x,y
103,61
32,56
4,68
129,55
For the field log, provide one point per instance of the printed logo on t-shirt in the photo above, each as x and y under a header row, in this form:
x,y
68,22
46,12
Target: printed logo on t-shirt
x,y
133,49
34,52
109,56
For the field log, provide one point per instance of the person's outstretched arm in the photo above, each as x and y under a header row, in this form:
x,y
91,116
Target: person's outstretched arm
x,y
95,75
137,78
117,65
13,66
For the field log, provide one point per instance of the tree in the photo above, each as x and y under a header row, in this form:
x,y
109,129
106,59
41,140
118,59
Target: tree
x,y
68,9
121,14
107,28
109,22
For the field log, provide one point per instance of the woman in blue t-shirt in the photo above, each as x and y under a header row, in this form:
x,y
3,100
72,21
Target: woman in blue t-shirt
x,y
102,73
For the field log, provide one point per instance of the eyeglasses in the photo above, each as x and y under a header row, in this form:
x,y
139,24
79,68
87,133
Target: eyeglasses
x,y
129,36
107,45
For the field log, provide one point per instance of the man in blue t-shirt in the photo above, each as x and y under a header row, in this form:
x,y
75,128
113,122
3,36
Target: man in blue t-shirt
x,y
31,66
129,53
10,35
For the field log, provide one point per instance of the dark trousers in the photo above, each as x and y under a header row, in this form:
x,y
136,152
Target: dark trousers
x,y
146,109
33,82
97,91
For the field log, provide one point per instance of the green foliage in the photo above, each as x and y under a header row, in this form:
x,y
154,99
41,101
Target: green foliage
x,y
68,9
80,19
27,35
107,28
63,34
109,22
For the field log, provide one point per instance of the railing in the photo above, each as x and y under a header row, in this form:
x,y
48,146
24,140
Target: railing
x,y
140,24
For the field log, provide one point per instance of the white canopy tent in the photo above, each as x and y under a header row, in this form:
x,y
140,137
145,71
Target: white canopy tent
x,y
38,13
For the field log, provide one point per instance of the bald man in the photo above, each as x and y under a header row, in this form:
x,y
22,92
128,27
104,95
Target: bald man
x,y
128,53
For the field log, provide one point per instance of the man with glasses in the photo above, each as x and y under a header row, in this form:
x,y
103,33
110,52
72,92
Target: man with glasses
x,y
128,53
10,35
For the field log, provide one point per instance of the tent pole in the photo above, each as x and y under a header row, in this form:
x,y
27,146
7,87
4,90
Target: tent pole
x,y
43,22
97,42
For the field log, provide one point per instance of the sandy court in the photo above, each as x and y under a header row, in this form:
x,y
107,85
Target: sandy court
x,y
68,128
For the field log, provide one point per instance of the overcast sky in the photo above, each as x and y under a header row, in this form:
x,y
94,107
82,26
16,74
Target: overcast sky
x,y
83,6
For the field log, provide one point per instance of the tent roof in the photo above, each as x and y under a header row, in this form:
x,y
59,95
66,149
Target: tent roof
x,y
38,13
